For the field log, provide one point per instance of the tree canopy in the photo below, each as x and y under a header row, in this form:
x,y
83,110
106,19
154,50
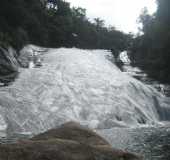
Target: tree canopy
x,y
152,49
53,23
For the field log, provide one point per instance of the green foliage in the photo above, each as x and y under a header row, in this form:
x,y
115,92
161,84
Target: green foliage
x,y
54,23
152,50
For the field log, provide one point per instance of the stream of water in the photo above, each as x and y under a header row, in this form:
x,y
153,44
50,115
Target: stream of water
x,y
84,86
152,142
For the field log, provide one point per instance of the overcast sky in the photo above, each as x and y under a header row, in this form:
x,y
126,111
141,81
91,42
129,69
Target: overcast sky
x,y
119,13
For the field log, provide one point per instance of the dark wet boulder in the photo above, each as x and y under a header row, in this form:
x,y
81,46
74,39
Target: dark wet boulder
x,y
68,142
8,64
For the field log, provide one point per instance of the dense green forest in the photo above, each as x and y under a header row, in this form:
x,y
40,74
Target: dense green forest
x,y
151,50
53,23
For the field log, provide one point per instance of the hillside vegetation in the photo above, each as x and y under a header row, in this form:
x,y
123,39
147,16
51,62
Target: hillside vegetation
x,y
53,23
151,50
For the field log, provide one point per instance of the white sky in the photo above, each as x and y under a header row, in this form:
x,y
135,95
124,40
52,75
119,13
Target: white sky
x,y
121,14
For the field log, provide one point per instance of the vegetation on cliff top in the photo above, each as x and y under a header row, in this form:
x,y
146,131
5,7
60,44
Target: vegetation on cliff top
x,y
53,23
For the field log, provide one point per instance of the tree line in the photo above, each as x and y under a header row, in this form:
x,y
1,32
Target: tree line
x,y
151,50
53,23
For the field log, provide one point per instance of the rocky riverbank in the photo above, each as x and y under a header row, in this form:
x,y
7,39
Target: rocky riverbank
x,y
10,61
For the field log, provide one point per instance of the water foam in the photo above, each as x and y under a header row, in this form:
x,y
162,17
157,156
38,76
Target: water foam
x,y
78,85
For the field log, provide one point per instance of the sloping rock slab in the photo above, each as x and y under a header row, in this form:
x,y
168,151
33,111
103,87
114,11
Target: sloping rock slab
x,y
68,142
8,64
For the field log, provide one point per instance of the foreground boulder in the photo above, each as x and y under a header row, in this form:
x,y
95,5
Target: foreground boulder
x,y
68,142
8,64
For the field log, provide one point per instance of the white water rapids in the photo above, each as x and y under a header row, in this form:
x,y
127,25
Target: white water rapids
x,y
78,85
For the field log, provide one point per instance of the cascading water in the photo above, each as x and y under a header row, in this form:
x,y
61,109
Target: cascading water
x,y
78,85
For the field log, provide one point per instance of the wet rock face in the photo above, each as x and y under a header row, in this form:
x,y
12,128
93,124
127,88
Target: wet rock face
x,y
26,55
8,65
68,142
31,54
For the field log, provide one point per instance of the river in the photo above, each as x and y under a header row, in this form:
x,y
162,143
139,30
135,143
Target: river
x,y
152,142
84,86
143,77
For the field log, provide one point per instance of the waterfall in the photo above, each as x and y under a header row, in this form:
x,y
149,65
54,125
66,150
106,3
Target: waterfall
x,y
31,64
78,85
124,57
